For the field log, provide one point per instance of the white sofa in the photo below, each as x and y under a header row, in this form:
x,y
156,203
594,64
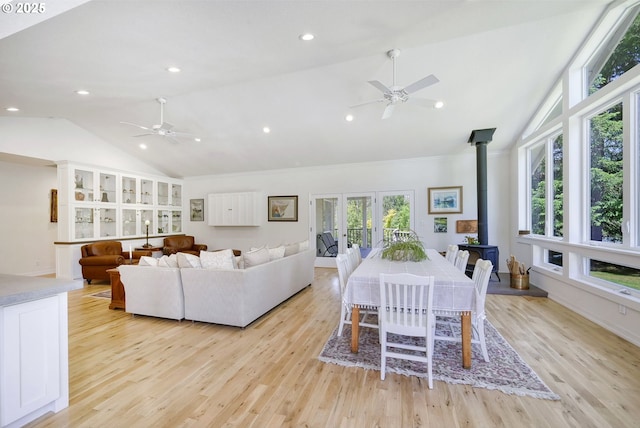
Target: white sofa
x,y
222,296
153,291
239,296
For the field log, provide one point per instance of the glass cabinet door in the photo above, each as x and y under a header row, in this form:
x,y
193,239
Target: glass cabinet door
x,y
107,222
176,195
163,193
83,189
176,221
129,222
164,221
107,188
129,191
146,192
83,223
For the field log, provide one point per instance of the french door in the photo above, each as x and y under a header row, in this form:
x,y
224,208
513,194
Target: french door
x,y
369,220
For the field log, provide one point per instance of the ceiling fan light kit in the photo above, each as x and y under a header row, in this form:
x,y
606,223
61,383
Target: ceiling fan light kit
x,y
395,94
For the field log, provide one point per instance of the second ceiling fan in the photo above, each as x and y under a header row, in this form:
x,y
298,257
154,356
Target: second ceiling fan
x,y
395,94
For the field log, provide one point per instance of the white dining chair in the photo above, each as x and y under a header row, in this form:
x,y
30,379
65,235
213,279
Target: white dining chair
x,y
480,277
406,309
351,259
357,253
461,260
342,263
452,251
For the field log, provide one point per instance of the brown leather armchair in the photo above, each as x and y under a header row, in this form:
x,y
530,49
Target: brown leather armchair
x,y
182,244
100,256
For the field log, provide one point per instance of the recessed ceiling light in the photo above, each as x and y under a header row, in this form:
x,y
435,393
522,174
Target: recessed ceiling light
x,y
438,104
306,37
143,146
266,129
13,109
197,139
82,92
173,70
349,118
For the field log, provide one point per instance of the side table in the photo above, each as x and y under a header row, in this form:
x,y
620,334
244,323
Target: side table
x,y
117,290
155,251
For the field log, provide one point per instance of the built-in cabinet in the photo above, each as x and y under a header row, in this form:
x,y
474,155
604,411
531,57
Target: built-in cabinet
x,y
234,209
96,204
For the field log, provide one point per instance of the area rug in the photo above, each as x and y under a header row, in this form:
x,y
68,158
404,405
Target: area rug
x,y
102,295
505,372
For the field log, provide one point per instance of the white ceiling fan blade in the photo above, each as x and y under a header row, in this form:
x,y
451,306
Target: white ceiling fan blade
x,y
136,125
144,135
180,134
367,102
166,126
421,84
388,111
379,85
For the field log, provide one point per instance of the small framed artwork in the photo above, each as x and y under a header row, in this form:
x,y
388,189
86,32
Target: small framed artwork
x,y
440,225
283,208
196,209
53,208
445,200
467,226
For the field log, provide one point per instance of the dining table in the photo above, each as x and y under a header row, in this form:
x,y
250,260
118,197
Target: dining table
x,y
453,295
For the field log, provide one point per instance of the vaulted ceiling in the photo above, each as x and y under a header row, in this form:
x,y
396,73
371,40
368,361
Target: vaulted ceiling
x,y
243,67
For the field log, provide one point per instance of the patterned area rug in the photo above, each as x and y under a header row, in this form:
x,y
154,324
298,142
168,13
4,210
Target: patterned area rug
x,y
505,371
102,294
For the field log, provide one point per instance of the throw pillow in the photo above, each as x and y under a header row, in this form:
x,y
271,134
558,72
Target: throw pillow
x,y
276,253
217,259
186,260
148,261
168,261
255,257
303,245
290,249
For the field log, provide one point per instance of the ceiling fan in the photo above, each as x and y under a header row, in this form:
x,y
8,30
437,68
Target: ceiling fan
x,y
164,129
398,94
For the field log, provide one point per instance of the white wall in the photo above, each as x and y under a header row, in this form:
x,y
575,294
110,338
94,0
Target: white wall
x,y
27,234
58,140
412,174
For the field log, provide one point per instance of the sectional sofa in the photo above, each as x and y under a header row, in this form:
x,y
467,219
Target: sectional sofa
x,y
233,292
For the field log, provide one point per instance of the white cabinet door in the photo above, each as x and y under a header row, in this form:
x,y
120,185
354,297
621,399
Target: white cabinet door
x,y
31,358
233,209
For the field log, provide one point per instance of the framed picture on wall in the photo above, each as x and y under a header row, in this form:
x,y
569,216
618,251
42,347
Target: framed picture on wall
x,y
445,200
283,208
196,209
440,225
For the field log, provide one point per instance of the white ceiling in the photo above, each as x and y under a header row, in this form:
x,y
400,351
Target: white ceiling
x,y
243,67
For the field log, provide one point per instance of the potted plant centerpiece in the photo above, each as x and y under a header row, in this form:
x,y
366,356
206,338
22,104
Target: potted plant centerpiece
x,y
408,248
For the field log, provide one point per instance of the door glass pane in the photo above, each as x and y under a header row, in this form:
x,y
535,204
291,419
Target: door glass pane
x,y
359,222
396,217
327,226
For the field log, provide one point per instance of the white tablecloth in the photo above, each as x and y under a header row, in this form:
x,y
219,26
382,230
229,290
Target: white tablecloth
x,y
454,291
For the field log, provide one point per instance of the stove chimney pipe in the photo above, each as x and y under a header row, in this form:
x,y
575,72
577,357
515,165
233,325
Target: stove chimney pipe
x,y
480,138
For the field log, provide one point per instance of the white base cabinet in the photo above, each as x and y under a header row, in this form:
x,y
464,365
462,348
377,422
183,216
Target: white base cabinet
x,y
34,355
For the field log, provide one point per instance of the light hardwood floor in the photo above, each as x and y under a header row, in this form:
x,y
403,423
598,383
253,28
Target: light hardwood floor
x,y
148,372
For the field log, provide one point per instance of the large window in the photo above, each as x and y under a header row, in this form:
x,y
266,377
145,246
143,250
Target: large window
x,y
620,54
547,187
606,175
584,214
